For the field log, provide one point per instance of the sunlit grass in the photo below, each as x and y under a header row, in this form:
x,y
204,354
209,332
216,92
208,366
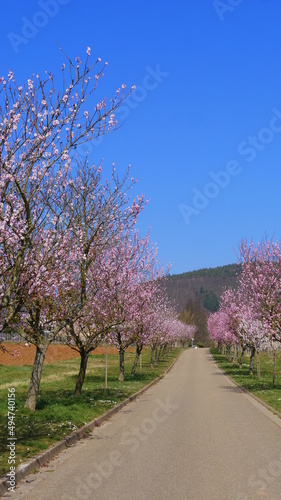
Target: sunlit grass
x,y
263,388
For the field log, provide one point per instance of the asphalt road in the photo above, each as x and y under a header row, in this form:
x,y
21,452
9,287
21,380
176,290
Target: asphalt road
x,y
192,436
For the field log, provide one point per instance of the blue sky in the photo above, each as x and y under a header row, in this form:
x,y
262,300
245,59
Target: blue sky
x,y
203,130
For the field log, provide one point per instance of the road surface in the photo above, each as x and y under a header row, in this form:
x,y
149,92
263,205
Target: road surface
x,y
194,435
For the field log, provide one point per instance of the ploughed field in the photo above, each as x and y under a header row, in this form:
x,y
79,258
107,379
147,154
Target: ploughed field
x,y
15,354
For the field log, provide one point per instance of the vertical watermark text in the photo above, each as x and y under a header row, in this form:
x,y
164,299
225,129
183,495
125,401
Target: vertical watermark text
x,y
11,439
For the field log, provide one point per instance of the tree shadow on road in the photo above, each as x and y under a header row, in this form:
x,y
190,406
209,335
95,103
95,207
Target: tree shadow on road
x,y
234,389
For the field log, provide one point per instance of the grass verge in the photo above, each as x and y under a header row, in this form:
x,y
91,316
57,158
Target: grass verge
x,y
262,388
59,412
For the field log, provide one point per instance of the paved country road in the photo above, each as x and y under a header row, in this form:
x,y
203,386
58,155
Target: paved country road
x,y
192,436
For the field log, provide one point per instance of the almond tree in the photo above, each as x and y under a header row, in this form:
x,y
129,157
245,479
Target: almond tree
x,y
161,313
231,304
260,282
260,287
253,312
43,315
249,330
93,213
40,128
221,330
98,214
154,311
129,264
166,328
147,297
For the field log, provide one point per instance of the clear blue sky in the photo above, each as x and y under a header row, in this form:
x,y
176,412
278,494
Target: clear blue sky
x,y
208,99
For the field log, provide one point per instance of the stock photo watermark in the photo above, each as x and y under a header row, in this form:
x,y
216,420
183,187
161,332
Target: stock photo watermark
x,y
264,480
250,148
11,439
225,7
132,439
32,25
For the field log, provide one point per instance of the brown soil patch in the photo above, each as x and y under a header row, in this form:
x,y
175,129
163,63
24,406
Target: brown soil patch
x,y
20,355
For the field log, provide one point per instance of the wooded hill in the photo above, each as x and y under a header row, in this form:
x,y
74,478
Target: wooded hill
x,y
197,294
204,286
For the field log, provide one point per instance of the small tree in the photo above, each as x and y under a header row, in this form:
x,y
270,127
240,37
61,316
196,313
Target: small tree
x,y
128,265
260,286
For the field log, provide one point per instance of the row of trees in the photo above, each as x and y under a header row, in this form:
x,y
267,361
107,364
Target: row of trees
x,y
71,261
250,315
195,314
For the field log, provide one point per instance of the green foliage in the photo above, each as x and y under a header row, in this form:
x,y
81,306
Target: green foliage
x,y
211,302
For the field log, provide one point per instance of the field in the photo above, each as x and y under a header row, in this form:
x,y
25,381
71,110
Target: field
x,y
59,412
15,354
262,388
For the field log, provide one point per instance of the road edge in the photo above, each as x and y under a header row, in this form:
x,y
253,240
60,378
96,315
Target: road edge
x,y
39,460
263,403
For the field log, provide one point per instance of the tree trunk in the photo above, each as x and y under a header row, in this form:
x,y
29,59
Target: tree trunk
x,y
258,366
138,352
155,358
235,355
84,355
36,374
159,354
151,357
243,349
228,353
274,367
121,364
253,350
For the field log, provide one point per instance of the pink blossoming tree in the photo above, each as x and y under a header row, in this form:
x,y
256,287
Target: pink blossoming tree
x,y
40,129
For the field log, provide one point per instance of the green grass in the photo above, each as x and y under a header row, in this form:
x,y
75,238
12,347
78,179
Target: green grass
x,y
263,388
58,411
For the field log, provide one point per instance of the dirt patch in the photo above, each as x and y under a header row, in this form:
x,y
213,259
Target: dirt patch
x,y
20,355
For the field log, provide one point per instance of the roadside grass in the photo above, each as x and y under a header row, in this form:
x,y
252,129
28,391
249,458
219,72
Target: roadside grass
x,y
263,388
58,411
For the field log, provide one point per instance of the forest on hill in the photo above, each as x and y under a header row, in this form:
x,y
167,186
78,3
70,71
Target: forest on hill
x,y
197,294
204,286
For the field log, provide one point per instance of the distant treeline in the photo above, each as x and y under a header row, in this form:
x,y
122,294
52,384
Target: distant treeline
x,y
219,272
203,285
